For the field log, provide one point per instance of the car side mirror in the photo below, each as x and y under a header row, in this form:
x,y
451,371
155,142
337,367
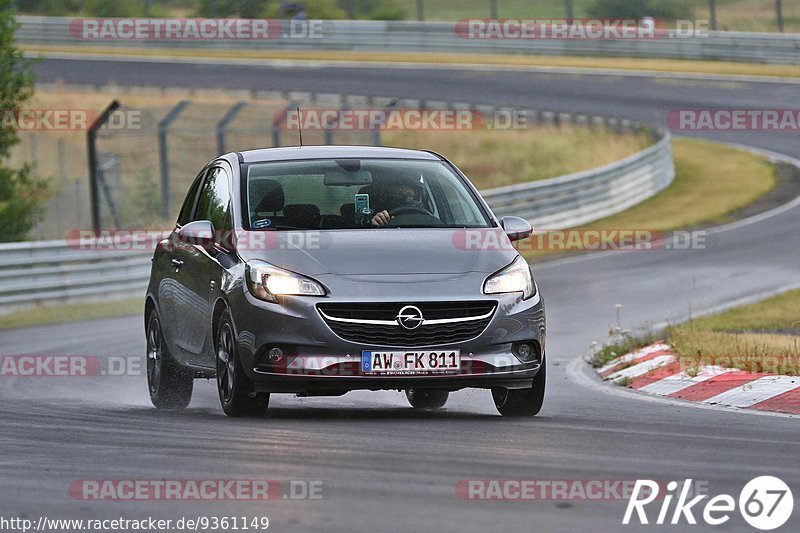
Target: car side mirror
x,y
516,228
199,232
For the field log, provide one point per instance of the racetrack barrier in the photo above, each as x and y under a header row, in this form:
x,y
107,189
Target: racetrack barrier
x,y
57,271
444,37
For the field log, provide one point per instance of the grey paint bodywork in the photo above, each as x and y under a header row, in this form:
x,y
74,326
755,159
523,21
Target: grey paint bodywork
x,y
355,266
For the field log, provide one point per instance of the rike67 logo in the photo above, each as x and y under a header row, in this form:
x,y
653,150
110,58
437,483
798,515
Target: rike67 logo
x,y
765,503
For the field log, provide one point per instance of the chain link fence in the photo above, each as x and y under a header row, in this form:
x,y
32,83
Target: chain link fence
x,y
144,171
147,157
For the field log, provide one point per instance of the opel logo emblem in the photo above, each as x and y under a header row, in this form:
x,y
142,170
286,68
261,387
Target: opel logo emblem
x,y
410,317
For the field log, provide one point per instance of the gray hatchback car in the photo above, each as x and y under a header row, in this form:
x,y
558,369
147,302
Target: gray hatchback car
x,y
321,270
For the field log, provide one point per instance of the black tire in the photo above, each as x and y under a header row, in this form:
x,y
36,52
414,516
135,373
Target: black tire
x,y
521,402
170,385
427,399
235,389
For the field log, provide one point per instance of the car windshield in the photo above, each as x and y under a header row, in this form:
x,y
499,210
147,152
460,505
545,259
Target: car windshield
x,y
349,193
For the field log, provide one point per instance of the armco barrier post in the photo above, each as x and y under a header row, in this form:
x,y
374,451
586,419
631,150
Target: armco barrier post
x,y
91,147
375,133
223,123
712,13
163,155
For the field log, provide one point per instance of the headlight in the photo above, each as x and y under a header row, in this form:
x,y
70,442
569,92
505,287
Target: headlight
x,y
516,277
266,281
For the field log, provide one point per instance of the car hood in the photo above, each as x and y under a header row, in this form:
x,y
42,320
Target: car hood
x,y
379,252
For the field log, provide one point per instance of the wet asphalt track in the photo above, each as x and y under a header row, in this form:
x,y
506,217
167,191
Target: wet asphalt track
x,y
384,466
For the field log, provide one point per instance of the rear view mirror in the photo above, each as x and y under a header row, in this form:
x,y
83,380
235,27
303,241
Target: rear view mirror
x,y
199,232
516,228
344,179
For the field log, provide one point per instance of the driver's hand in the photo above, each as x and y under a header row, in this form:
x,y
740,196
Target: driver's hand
x,y
381,218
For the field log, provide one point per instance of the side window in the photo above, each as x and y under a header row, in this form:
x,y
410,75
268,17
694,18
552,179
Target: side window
x,y
185,215
215,200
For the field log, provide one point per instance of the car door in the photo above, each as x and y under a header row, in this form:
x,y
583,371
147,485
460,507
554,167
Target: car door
x,y
168,261
194,265
217,258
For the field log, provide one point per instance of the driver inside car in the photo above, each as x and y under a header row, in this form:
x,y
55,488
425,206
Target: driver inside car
x,y
398,193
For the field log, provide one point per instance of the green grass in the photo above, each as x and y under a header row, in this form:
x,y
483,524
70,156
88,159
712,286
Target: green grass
x,y
753,352
712,181
72,313
738,15
620,343
760,337
779,313
462,9
624,382
493,158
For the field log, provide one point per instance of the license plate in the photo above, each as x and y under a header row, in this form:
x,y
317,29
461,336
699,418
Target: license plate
x,y
446,362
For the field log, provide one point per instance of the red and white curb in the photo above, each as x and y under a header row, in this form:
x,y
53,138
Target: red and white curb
x,y
656,370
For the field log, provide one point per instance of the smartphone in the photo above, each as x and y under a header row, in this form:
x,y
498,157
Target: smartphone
x,y
362,202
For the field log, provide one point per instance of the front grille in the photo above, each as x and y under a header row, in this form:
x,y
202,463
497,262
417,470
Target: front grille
x,y
395,335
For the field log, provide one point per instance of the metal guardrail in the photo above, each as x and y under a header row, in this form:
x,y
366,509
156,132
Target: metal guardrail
x,y
52,272
59,271
408,36
575,199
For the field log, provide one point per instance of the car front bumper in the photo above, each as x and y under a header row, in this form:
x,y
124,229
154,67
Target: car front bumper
x,y
320,362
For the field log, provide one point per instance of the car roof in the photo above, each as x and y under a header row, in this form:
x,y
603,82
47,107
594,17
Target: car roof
x,y
323,152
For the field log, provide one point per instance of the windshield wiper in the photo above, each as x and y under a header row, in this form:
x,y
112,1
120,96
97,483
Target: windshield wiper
x,y
281,226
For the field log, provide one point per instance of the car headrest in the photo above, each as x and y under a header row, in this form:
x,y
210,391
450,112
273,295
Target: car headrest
x,y
302,215
267,195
